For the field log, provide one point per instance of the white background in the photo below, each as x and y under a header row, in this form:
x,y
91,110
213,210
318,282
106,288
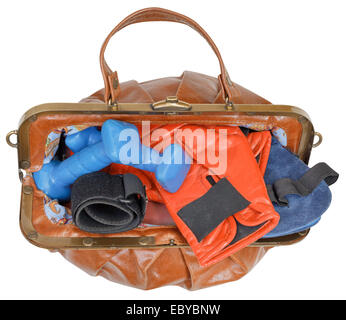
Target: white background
x,y
290,52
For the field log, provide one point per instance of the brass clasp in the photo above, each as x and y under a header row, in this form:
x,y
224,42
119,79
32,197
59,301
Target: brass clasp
x,y
171,103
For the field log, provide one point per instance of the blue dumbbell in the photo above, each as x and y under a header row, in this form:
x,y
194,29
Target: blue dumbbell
x,y
80,140
170,167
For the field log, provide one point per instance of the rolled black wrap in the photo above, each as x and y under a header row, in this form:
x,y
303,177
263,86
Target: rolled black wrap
x,y
104,203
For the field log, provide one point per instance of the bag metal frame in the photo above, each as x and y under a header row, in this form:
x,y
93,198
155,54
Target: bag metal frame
x,y
170,106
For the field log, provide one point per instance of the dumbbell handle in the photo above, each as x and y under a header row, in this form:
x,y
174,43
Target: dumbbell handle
x,y
90,159
82,139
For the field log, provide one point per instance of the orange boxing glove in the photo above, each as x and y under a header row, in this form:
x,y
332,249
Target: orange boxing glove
x,y
219,212
260,144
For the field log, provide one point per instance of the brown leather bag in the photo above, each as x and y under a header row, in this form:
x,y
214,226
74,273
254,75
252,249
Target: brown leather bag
x,y
151,257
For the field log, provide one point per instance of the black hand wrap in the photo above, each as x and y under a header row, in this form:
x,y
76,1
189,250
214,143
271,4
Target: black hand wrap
x,y
104,203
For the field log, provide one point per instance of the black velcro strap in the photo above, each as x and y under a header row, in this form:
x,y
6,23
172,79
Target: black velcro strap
x,y
304,186
133,185
104,203
221,201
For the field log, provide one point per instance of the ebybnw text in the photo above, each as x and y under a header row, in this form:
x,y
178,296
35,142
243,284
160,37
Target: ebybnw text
x,y
174,309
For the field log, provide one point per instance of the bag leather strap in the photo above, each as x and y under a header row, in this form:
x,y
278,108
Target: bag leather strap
x,y
112,88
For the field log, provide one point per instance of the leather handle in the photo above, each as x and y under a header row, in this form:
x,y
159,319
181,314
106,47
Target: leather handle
x,y
112,89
